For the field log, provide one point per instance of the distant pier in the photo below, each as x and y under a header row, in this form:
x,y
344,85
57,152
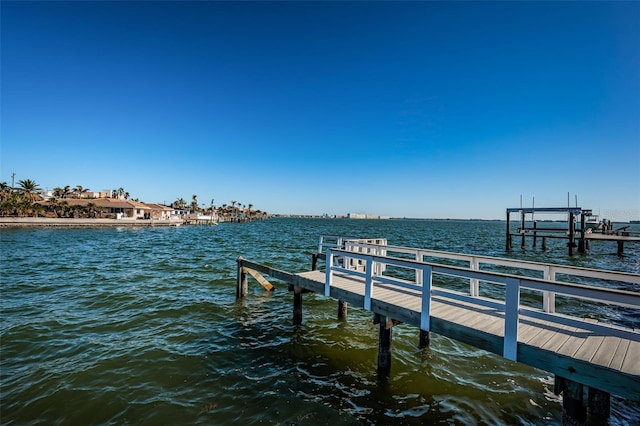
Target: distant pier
x,y
576,231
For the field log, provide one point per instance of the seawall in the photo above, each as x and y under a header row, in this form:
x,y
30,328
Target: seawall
x,y
70,222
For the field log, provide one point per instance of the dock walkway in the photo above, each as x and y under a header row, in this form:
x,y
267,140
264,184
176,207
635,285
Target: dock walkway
x,y
518,322
558,348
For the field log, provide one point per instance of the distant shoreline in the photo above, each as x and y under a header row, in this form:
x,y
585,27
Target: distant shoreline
x,y
25,222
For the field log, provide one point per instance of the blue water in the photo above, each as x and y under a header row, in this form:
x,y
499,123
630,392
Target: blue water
x,y
141,326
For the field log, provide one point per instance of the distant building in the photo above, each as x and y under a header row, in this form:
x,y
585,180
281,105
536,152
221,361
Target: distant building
x,y
365,216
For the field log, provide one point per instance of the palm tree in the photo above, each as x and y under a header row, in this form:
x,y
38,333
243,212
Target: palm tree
x,y
58,192
29,189
194,203
4,188
23,205
37,209
79,191
64,205
120,193
180,203
54,204
9,203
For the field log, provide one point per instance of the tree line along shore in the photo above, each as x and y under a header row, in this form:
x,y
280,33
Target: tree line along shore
x,y
27,201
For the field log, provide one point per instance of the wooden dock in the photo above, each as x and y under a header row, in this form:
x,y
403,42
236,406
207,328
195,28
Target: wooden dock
x,y
575,231
397,284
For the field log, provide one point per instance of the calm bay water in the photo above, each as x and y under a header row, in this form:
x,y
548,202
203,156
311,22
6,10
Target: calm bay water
x,y
141,326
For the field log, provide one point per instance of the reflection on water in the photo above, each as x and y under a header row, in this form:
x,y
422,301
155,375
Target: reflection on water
x,y
142,326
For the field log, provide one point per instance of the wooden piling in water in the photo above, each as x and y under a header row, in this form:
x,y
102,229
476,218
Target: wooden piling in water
x,y
508,234
599,405
314,261
522,227
574,406
571,244
581,245
242,284
297,305
425,339
384,346
342,309
574,411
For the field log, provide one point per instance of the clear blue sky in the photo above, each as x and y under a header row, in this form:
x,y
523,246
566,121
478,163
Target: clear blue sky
x,y
416,109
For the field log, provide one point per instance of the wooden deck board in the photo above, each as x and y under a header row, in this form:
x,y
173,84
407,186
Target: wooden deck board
x,y
552,337
631,363
607,351
589,348
574,343
528,333
618,357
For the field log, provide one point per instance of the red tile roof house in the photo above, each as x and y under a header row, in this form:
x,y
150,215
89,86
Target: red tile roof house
x,y
160,212
121,209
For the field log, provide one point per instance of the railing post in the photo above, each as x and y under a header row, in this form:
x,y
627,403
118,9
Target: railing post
x,y
549,297
425,315
368,284
474,285
328,273
511,320
419,272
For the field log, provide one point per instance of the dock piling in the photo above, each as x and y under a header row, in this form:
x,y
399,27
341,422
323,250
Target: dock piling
x,y
425,339
581,240
571,244
384,346
342,309
508,242
574,411
522,228
242,285
599,404
297,305
314,261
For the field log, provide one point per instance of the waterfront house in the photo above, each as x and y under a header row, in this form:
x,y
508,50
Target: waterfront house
x,y
159,212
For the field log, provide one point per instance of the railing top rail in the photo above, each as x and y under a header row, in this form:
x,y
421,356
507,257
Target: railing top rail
x,y
525,264
337,238
604,295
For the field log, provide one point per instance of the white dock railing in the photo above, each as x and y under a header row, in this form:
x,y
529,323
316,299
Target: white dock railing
x,y
548,271
511,305
339,241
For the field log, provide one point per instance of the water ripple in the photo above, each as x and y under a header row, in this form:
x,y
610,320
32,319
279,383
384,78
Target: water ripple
x,y
141,326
